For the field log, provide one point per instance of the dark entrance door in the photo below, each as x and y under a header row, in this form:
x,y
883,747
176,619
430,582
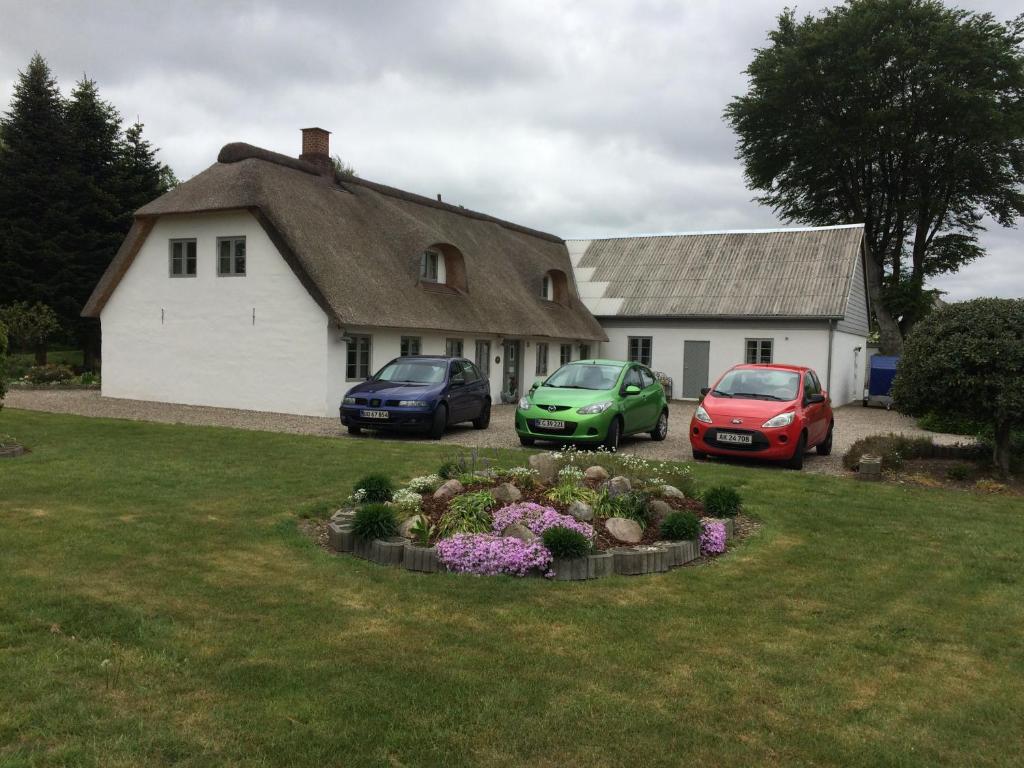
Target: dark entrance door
x,y
510,378
695,367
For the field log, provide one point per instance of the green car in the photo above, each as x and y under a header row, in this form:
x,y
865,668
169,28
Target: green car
x,y
596,402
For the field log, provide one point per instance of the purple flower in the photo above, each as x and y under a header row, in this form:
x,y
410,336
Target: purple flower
x,y
712,538
486,554
538,519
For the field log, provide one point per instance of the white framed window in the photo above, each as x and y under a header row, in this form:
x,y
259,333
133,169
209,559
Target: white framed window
x,y
182,258
759,351
357,366
483,358
432,267
542,359
453,347
230,256
640,348
545,288
565,354
410,346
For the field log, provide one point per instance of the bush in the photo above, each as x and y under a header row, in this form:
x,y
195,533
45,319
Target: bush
x,y
425,484
680,526
376,488
895,449
567,493
959,472
468,513
633,505
374,521
565,542
722,501
406,502
449,470
51,373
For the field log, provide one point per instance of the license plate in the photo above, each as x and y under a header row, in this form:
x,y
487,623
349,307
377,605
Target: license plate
x,y
735,437
374,414
550,424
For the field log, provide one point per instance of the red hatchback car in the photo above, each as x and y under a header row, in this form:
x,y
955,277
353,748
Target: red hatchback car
x,y
773,412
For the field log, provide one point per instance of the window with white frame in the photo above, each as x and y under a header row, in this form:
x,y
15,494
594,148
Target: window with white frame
x,y
358,363
759,351
453,347
483,358
640,349
183,258
410,346
230,256
430,266
565,354
546,289
542,359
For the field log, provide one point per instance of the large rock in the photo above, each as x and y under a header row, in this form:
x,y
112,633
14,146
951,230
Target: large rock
x,y
581,511
596,474
659,507
671,492
405,529
518,531
617,486
449,490
625,530
506,493
546,467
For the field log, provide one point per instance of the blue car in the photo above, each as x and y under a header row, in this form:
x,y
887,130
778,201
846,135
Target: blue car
x,y
419,394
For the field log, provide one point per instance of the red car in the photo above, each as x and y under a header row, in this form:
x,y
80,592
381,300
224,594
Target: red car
x,y
774,412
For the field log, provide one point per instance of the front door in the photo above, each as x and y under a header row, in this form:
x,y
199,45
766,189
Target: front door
x,y
510,380
695,367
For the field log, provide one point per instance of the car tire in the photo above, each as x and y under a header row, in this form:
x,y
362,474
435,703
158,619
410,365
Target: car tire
x,y
660,431
484,419
525,441
797,461
611,440
440,422
699,455
825,446
354,430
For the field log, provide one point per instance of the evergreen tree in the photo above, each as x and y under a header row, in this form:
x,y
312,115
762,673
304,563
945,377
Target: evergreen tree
x,y
142,177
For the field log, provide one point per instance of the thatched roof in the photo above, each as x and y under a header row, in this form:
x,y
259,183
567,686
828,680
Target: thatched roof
x,y
356,247
761,274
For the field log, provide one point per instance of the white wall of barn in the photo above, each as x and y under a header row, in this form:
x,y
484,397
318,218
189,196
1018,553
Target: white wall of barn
x,y
795,343
255,342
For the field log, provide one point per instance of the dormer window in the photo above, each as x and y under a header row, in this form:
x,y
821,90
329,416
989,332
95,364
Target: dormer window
x,y
442,269
554,287
432,267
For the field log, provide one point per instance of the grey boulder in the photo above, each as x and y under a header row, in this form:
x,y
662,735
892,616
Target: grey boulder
x,y
449,490
625,530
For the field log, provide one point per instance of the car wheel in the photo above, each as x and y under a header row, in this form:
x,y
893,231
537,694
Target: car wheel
x,y
354,430
797,462
484,419
525,441
611,440
825,446
439,423
699,455
660,431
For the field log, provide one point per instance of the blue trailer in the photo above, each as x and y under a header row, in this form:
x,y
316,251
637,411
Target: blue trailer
x,y
881,372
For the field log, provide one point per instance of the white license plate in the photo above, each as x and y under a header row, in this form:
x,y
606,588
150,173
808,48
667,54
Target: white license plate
x,y
735,437
374,414
550,424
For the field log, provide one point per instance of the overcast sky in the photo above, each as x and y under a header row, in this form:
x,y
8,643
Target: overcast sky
x,y
585,118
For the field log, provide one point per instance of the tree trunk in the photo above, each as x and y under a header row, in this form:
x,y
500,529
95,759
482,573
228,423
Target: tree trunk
x,y
41,354
890,339
1001,452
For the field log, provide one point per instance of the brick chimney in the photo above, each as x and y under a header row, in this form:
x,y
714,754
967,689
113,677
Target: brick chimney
x,y
316,148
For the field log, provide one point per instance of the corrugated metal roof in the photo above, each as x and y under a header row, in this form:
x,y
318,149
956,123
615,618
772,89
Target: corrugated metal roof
x,y
784,273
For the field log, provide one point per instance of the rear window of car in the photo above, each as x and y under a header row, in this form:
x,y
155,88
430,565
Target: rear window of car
x,y
413,371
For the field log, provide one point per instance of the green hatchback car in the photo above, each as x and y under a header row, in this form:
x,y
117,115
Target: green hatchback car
x,y
595,402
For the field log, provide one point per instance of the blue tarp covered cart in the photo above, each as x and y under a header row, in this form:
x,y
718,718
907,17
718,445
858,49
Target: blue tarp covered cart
x,y
881,372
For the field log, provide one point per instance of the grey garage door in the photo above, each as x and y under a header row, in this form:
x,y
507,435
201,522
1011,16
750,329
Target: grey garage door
x,y
695,367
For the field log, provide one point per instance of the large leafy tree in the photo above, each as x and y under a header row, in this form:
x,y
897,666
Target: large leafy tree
x,y
904,115
968,358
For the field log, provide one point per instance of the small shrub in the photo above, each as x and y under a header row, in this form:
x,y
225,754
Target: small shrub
x,y
524,477
468,513
722,501
374,521
712,538
406,502
565,542
633,505
425,484
449,470
680,526
567,493
896,449
376,488
958,472
52,373
422,531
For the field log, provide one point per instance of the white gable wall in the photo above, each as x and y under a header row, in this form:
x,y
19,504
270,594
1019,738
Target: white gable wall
x,y
193,340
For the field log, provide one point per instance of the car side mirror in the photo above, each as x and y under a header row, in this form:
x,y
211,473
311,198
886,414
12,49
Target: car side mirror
x,y
704,391
537,383
815,398
632,389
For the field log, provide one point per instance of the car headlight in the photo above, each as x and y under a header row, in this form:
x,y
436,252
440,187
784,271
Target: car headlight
x,y
524,404
782,420
349,401
595,408
413,404
702,415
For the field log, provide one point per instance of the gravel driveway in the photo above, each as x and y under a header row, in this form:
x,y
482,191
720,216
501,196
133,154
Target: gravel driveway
x,y
852,423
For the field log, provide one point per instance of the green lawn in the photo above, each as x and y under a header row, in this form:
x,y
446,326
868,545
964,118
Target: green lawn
x,y
158,607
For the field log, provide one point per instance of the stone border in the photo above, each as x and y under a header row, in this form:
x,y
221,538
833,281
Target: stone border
x,y
12,451
637,560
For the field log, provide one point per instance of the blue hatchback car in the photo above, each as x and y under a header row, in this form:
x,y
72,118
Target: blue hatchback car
x,y
419,393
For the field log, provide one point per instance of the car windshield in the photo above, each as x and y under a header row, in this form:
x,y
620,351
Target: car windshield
x,y
759,384
584,376
413,371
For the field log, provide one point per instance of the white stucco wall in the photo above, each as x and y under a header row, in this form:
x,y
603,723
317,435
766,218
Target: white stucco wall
x,y
848,355
193,340
793,343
